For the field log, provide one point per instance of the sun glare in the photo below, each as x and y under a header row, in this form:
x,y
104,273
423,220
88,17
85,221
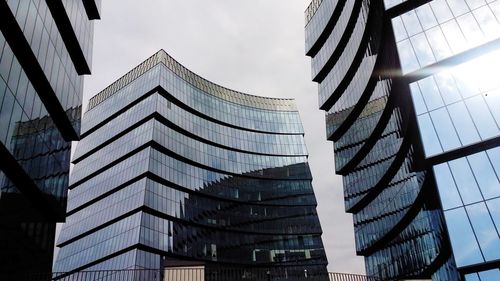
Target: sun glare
x,y
481,72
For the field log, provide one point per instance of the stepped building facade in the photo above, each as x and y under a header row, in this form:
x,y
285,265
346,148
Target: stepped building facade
x,y
413,108
45,48
173,168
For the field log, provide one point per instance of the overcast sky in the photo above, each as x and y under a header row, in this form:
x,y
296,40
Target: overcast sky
x,y
253,46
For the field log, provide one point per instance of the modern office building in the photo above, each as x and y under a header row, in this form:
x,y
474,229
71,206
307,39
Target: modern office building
x,y
412,105
45,47
173,168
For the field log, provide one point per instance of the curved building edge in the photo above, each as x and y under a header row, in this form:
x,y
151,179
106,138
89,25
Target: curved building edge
x,y
379,154
197,81
202,195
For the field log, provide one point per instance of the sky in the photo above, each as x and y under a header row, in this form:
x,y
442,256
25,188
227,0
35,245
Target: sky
x,y
252,46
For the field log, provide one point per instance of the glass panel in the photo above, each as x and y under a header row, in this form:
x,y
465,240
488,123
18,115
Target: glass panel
x,y
447,189
482,117
422,49
494,155
444,128
490,275
471,29
447,87
426,16
465,181
485,175
463,241
494,208
411,23
487,22
472,277
485,231
493,100
399,29
458,7
418,101
473,4
438,43
429,137
430,92
463,123
441,10
454,36
407,56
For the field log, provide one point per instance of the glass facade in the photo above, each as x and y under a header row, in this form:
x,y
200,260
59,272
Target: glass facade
x,y
41,88
173,166
410,91
457,108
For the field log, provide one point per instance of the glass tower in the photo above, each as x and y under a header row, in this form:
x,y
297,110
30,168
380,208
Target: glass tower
x,y
173,166
45,47
412,106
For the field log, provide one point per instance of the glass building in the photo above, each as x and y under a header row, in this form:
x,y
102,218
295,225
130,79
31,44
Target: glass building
x,y
412,103
45,48
172,167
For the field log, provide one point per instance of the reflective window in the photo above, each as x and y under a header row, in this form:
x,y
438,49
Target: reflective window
x,y
490,275
438,43
430,92
450,197
239,174
485,231
429,137
482,117
485,175
442,28
494,156
487,275
462,103
465,181
463,123
494,208
472,277
418,101
447,87
445,129
473,181
411,23
465,247
407,56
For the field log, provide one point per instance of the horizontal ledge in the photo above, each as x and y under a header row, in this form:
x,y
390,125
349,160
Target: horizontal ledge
x,y
463,151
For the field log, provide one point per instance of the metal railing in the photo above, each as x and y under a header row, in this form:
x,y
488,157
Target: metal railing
x,y
334,276
198,273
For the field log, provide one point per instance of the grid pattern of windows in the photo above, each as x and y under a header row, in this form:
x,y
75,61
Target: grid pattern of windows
x,y
201,177
210,132
345,62
350,9
457,109
470,194
232,114
460,106
315,25
443,28
46,42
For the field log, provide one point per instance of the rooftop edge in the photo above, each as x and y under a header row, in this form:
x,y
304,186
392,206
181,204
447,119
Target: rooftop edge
x,y
286,104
